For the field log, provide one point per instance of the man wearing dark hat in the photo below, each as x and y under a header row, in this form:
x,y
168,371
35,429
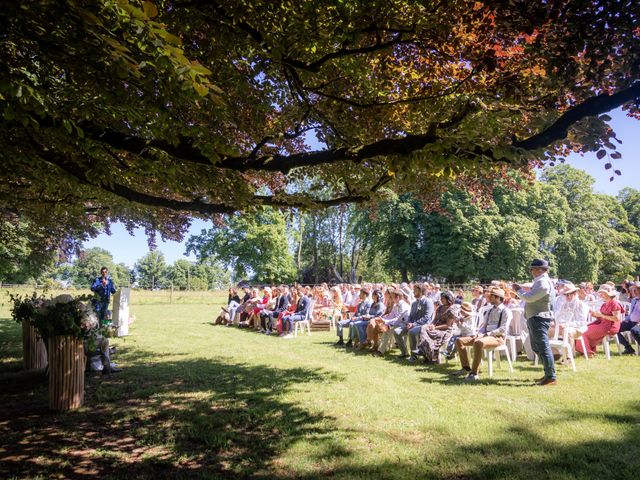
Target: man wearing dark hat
x,y
538,311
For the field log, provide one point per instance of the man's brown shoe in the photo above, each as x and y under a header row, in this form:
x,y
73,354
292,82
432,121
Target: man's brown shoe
x,y
547,381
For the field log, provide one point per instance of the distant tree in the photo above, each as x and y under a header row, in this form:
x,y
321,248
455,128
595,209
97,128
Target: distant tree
x,y
249,244
629,198
87,267
599,242
122,275
216,275
151,271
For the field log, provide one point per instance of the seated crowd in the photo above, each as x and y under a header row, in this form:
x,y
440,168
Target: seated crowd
x,y
439,323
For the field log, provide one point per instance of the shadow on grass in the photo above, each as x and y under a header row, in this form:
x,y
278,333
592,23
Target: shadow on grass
x,y
518,452
176,419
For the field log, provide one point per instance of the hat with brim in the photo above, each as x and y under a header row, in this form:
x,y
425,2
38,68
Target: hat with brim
x,y
539,263
569,288
498,292
607,290
466,309
406,291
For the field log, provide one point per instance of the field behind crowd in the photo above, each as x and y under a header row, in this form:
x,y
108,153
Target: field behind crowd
x,y
138,296
199,401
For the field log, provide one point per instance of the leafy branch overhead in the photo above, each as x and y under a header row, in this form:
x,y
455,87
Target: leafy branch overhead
x,y
203,108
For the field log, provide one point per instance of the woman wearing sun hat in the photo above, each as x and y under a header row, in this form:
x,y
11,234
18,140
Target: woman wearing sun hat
x,y
607,320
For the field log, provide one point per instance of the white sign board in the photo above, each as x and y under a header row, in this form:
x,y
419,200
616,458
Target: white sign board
x,y
121,311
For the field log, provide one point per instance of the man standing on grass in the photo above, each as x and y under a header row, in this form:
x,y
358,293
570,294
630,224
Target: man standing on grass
x,y
103,287
538,311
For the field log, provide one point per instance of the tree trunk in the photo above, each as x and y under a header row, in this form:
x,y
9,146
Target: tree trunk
x,y
315,249
66,373
340,241
34,351
355,259
405,274
300,247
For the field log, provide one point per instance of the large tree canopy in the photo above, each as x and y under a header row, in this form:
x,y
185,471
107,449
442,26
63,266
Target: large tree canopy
x,y
201,108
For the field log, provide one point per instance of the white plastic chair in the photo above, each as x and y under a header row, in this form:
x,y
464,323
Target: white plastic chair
x,y
515,331
489,351
563,342
306,322
607,349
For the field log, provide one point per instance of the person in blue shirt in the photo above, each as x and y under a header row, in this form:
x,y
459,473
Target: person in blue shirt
x,y
103,287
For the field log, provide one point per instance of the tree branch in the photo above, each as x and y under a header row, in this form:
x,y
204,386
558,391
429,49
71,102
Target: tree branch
x,y
187,152
344,52
590,107
198,206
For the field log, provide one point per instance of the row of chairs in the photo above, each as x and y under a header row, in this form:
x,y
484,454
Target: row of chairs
x,y
516,333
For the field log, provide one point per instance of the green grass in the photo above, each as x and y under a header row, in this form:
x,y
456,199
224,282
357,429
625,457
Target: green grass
x,y
198,401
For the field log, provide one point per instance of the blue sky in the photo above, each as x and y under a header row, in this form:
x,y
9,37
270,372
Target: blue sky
x,y
126,248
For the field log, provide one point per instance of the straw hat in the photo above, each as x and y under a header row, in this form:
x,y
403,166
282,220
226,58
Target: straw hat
x,y
498,292
406,291
569,288
466,309
605,288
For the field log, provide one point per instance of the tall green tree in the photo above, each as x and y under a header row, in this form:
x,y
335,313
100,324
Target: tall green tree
x,y
254,244
599,241
22,257
88,264
151,271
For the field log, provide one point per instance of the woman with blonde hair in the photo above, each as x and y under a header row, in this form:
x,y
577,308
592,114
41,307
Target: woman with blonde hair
x,y
335,304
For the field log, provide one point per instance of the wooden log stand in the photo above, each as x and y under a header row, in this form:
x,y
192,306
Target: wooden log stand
x,y
66,373
34,352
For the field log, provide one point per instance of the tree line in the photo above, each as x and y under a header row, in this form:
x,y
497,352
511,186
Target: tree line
x,y
150,271
586,236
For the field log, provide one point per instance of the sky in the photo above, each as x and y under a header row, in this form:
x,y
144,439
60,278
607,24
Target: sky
x,y
127,249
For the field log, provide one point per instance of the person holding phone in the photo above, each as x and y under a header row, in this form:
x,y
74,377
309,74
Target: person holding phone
x,y
103,287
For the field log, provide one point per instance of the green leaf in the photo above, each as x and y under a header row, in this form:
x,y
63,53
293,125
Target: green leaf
x,y
200,89
150,9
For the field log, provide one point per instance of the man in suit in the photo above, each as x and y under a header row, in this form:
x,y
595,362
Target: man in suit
x,y
538,310
421,313
103,287
302,308
361,309
281,305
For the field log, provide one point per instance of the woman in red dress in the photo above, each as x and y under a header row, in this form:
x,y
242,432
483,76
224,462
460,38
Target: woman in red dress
x,y
607,321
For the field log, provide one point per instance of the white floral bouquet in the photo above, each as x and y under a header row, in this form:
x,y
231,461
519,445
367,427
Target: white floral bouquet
x,y
61,315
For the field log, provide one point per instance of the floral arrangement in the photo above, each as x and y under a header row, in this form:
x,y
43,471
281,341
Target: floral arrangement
x,y
61,315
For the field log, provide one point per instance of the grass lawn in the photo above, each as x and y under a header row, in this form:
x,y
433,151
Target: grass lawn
x,y
198,401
